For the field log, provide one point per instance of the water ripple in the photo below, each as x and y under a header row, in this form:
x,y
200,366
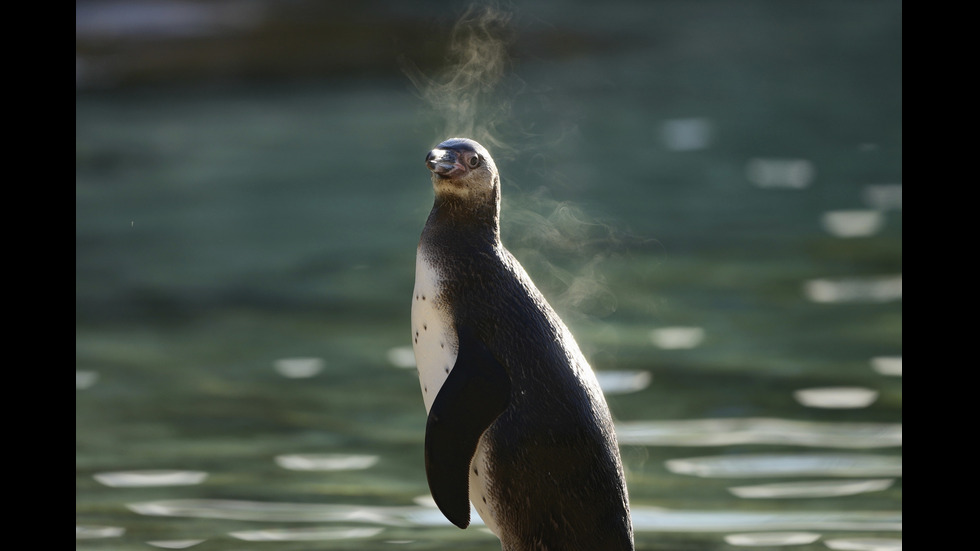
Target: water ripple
x,y
674,338
651,519
816,464
690,134
306,534
299,368
765,539
884,196
326,462
887,365
88,532
84,379
174,544
401,356
852,223
837,397
873,289
623,382
759,430
140,479
865,544
287,512
780,173
820,488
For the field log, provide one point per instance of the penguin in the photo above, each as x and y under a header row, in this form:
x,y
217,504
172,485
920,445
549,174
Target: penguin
x,y
516,421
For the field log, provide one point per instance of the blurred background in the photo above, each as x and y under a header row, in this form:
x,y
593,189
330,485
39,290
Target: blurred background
x,y
709,193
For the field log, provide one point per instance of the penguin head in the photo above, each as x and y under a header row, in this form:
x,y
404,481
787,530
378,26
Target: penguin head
x,y
464,169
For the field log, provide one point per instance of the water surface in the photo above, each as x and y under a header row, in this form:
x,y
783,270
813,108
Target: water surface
x,y
713,206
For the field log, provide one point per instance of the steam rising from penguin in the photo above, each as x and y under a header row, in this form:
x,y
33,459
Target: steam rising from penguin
x,y
517,423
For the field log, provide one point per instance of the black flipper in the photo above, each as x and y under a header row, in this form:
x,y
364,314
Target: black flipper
x,y
475,393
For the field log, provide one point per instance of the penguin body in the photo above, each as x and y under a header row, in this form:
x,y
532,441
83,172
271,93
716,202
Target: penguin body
x,y
516,423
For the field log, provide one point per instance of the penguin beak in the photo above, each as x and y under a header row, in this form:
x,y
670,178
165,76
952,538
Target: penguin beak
x,y
444,163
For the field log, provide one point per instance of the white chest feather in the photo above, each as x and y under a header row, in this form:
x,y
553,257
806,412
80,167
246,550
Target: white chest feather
x,y
436,347
480,483
433,337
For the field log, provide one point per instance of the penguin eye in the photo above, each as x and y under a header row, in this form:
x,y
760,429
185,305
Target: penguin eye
x,y
474,161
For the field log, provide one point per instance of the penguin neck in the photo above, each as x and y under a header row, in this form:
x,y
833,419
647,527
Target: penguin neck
x,y
464,220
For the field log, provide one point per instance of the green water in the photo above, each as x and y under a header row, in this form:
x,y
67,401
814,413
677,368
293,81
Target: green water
x,y
675,195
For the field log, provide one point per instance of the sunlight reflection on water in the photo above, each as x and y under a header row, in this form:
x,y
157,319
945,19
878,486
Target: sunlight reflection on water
x,y
821,488
174,544
84,532
887,365
648,519
135,479
788,464
877,289
85,379
864,544
780,173
326,462
725,432
287,512
842,397
623,382
852,223
402,356
306,534
884,196
644,518
670,338
762,539
689,134
299,368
